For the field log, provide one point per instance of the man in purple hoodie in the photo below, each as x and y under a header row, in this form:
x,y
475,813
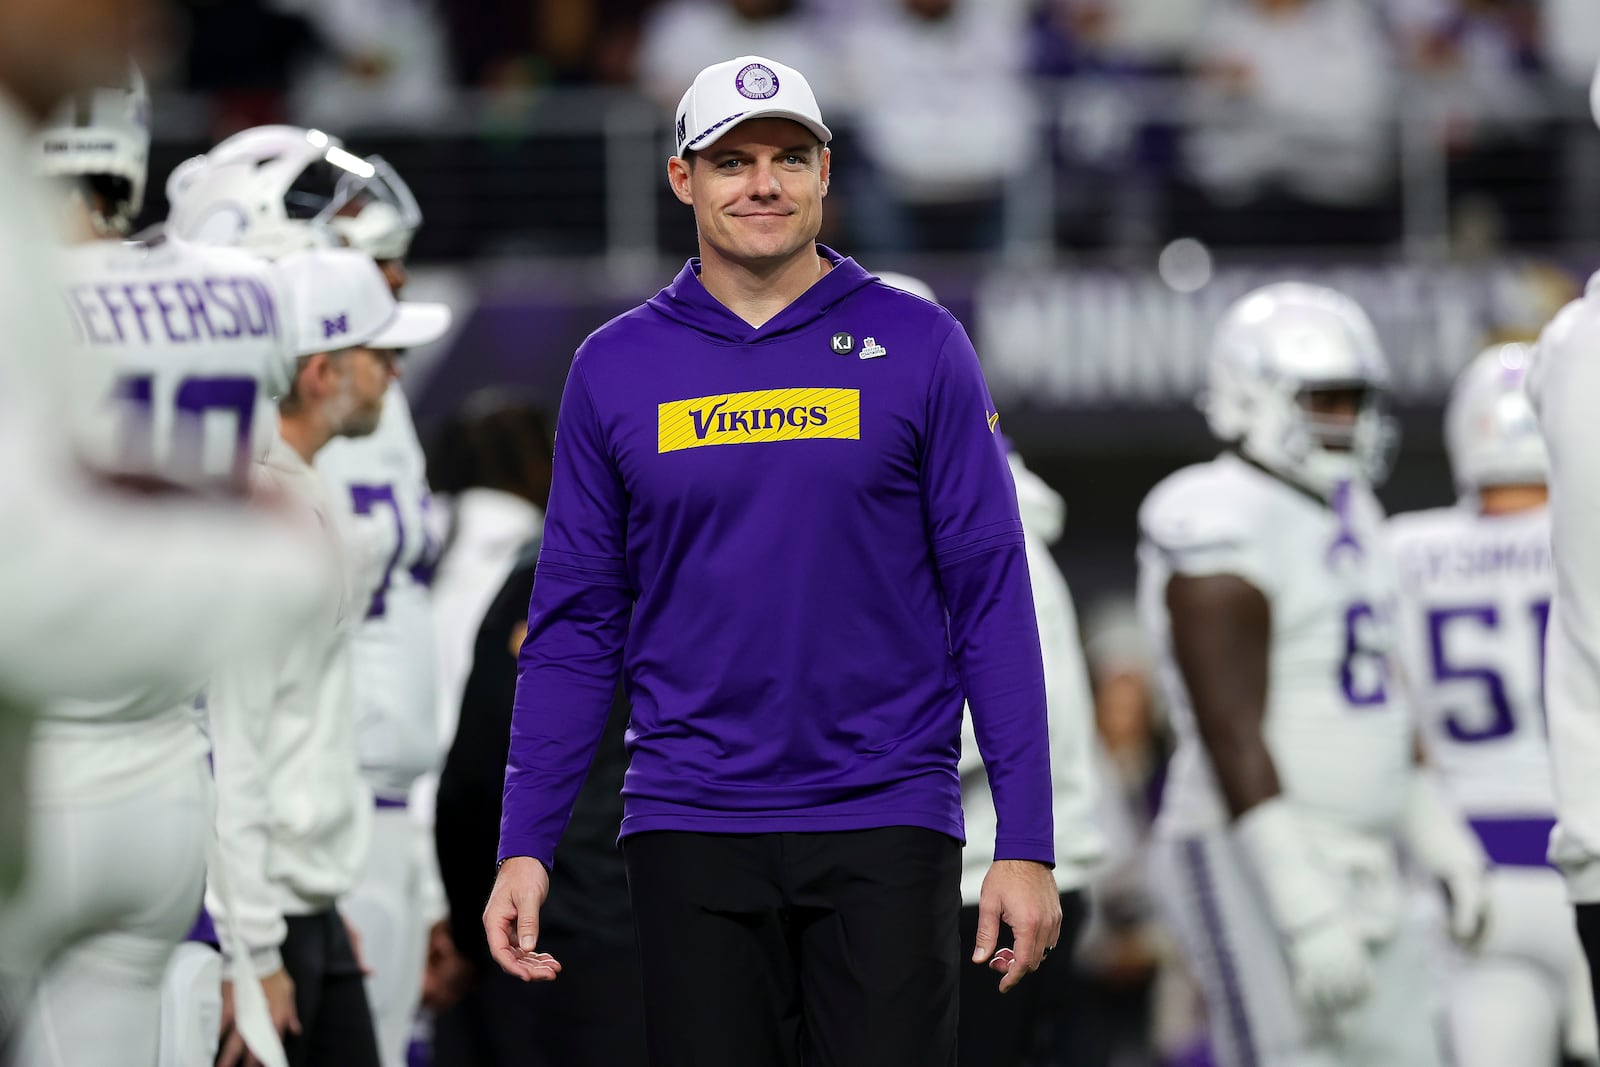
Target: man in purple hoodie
x,y
780,507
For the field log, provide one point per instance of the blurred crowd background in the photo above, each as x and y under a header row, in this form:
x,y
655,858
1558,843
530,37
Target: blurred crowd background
x,y
1086,183
1037,127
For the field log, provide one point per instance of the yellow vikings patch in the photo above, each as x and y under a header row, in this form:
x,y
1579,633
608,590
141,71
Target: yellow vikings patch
x,y
759,416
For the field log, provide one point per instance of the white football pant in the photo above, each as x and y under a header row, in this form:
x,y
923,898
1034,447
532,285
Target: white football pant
x,y
1523,997
191,1007
1221,921
386,909
111,890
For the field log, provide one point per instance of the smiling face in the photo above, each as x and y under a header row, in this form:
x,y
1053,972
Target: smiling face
x,y
756,192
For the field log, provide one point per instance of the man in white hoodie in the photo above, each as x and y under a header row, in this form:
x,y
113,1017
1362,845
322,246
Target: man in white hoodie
x,y
293,812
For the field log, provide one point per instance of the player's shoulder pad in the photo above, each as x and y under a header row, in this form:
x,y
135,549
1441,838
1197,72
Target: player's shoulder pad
x,y
1203,507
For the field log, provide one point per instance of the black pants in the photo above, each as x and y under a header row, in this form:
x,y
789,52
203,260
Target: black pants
x,y
998,1030
329,996
1589,934
591,1016
778,950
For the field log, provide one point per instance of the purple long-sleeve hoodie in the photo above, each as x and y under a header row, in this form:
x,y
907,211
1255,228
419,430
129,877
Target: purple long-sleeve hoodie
x,y
799,542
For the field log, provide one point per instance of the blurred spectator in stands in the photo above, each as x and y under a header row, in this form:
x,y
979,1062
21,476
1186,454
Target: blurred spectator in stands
x,y
1152,36
243,54
514,44
683,37
385,63
1097,64
944,120
1157,33
1294,140
1475,66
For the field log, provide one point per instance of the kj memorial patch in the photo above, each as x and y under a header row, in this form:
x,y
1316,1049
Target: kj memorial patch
x,y
759,416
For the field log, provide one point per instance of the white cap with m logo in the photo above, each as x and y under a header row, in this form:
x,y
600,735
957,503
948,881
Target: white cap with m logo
x,y
342,301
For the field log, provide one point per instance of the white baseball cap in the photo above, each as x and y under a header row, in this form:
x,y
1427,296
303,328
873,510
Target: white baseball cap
x,y
750,87
342,301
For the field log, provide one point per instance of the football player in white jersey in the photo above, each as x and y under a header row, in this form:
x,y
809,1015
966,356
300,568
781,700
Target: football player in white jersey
x,y
293,180
1563,380
1267,589
194,343
1475,589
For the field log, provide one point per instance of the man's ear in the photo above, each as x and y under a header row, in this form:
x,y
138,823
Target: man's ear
x,y
678,178
827,167
317,374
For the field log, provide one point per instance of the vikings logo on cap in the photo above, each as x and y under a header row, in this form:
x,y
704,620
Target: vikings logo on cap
x,y
756,81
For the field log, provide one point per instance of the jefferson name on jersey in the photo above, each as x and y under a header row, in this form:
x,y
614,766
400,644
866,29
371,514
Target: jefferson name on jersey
x,y
172,310
196,343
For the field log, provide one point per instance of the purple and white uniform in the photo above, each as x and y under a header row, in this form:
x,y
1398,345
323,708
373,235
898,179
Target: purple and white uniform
x,y
197,342
1339,731
1475,594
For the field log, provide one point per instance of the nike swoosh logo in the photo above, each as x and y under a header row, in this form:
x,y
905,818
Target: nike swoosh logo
x,y
994,420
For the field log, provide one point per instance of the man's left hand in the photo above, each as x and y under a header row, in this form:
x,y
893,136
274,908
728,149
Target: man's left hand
x,y
1023,895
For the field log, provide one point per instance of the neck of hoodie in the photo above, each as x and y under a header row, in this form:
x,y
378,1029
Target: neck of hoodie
x,y
687,301
756,292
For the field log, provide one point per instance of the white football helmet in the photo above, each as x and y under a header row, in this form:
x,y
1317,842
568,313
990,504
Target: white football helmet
x,y
1490,430
102,136
280,189
1274,346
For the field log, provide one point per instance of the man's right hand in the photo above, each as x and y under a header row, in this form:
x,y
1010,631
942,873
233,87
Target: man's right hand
x,y
1331,969
279,990
511,920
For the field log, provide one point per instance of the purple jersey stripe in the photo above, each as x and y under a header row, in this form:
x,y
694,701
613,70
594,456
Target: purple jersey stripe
x,y
1516,842
203,930
1232,1001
